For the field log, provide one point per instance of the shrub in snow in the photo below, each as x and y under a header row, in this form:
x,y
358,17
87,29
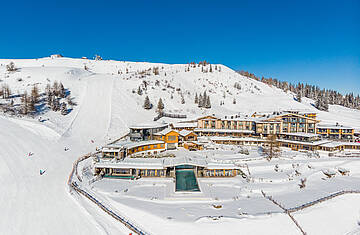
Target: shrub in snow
x,y
11,67
343,171
302,183
329,173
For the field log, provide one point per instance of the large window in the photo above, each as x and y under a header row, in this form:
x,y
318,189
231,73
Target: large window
x,y
121,171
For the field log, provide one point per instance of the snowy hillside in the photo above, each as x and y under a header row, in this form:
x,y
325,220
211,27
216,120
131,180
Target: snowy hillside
x,y
107,103
109,89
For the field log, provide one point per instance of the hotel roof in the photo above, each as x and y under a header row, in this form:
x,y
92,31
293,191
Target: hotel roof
x,y
148,125
185,125
329,126
301,134
223,130
132,144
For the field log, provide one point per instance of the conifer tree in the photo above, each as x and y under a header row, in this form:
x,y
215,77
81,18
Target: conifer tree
x,y
196,98
182,99
63,108
56,88
147,103
70,100
61,90
208,104
55,104
139,91
298,97
234,101
160,106
200,103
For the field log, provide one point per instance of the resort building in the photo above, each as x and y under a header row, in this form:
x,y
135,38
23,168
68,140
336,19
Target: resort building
x,y
237,141
185,136
122,149
336,132
190,126
170,137
260,125
145,131
165,167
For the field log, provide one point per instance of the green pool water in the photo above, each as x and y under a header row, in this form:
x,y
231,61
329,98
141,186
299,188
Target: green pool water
x,y
186,181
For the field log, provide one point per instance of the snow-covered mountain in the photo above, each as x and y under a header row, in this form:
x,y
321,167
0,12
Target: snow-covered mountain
x,y
107,103
108,90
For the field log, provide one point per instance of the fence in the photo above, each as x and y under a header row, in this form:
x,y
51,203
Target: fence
x,y
130,225
74,186
169,115
308,204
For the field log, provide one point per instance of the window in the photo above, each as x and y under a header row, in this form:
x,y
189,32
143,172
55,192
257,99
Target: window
x,y
172,137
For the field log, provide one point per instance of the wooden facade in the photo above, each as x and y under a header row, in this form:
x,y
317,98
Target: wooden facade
x,y
336,132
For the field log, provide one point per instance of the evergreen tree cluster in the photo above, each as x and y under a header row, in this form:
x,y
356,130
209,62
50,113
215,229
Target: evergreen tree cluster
x,y
54,94
203,101
324,97
237,85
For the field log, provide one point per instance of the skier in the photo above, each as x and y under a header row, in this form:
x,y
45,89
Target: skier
x,y
42,172
66,149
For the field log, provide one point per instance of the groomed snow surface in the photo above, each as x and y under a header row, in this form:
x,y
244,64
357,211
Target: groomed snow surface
x,y
41,204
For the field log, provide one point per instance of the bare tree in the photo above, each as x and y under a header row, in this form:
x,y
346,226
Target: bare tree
x,y
271,148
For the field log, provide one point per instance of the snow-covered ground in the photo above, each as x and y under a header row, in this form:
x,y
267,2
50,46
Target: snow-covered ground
x,y
242,203
106,105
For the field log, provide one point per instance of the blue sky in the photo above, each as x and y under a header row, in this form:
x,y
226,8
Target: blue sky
x,y
317,42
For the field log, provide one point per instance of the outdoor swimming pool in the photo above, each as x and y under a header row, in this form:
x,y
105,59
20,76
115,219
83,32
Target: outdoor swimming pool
x,y
186,181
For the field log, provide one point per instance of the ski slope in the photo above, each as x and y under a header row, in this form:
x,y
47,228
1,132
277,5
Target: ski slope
x,y
106,105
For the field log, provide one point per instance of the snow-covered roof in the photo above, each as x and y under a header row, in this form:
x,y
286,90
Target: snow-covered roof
x,y
225,138
165,131
221,165
301,134
185,160
329,126
110,150
130,165
149,125
333,144
185,132
133,144
313,143
223,130
155,163
185,125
